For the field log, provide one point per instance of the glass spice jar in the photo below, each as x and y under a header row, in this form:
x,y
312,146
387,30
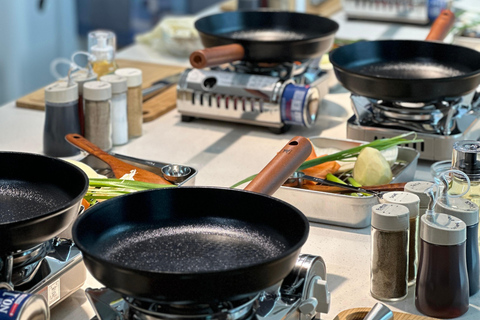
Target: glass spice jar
x,y
418,188
412,202
98,123
119,108
80,78
442,282
467,211
61,118
134,100
389,252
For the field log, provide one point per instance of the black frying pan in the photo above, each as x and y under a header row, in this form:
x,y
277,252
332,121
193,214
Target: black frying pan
x,y
196,244
409,71
262,36
39,197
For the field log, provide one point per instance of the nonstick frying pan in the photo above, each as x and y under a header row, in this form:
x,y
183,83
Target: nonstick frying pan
x,y
408,71
197,244
262,36
39,197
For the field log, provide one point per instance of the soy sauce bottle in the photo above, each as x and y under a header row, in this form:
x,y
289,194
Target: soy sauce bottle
x,y
442,288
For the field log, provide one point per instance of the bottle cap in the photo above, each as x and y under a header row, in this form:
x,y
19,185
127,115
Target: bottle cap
x,y
97,91
418,188
59,92
133,75
101,44
390,217
409,200
446,230
466,158
464,209
82,76
119,83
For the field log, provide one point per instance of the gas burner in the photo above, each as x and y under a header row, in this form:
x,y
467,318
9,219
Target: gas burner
x,y
274,96
438,123
302,295
53,269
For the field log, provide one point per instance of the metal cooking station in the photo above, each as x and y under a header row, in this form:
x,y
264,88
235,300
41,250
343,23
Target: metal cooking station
x,y
224,153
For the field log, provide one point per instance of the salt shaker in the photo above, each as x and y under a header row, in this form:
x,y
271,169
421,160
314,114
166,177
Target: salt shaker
x,y
442,288
412,202
389,252
61,118
467,211
134,100
119,108
98,123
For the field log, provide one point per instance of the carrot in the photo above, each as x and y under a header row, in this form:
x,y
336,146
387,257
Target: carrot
x,y
321,170
85,203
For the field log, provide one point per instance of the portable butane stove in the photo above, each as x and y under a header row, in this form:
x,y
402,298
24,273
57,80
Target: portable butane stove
x,y
439,123
53,269
270,95
302,295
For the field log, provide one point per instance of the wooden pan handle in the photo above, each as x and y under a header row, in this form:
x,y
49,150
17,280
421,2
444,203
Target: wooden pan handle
x,y
441,26
82,143
215,56
295,152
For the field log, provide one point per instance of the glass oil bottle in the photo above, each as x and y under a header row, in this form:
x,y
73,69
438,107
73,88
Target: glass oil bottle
x,y
101,46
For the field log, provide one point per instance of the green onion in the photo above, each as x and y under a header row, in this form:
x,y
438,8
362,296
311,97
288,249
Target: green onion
x,y
380,144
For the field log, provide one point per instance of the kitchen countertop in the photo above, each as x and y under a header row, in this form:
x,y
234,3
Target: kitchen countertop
x,y
224,153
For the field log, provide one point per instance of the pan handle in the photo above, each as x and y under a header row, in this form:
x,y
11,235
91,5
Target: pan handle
x,y
210,57
281,167
441,26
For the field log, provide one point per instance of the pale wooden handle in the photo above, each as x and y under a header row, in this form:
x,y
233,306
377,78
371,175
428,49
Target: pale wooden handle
x,y
295,152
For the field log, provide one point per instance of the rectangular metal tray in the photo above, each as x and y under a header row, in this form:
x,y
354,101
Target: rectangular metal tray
x,y
339,209
153,166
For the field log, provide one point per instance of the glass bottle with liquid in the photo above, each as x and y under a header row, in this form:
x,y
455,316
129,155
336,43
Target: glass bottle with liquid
x,y
101,46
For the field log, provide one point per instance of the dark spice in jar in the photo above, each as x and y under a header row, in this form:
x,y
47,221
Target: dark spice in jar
x,y
389,264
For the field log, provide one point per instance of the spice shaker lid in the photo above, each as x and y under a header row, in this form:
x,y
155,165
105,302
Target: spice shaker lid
x,y
418,188
60,92
466,157
390,217
409,200
464,209
133,75
119,83
97,91
82,76
446,230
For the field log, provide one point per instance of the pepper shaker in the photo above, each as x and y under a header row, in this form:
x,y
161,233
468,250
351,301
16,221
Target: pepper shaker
x,y
412,202
98,123
61,118
389,252
80,78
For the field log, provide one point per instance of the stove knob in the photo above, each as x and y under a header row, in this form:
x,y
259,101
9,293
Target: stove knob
x,y
319,290
308,307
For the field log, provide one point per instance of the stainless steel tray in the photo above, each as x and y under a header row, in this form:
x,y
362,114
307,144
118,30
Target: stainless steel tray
x,y
153,166
339,209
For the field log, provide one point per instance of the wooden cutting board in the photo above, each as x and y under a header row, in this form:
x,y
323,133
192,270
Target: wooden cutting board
x,y
152,108
360,313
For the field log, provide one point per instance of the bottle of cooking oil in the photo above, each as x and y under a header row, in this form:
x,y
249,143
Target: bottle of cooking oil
x,y
101,46
466,158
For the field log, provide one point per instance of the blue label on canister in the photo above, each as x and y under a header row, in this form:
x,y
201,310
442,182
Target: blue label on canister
x,y
293,104
11,303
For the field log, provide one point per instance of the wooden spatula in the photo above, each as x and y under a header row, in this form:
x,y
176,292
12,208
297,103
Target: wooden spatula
x,y
119,167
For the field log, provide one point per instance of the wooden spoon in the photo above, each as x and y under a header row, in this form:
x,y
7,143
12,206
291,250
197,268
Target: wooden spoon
x,y
119,167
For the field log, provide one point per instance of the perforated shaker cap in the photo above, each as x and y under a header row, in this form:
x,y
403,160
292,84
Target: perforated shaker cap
x,y
59,92
97,91
133,75
390,217
119,83
82,76
464,209
446,230
407,199
418,188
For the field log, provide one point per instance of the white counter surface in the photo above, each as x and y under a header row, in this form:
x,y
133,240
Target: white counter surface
x,y
224,153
